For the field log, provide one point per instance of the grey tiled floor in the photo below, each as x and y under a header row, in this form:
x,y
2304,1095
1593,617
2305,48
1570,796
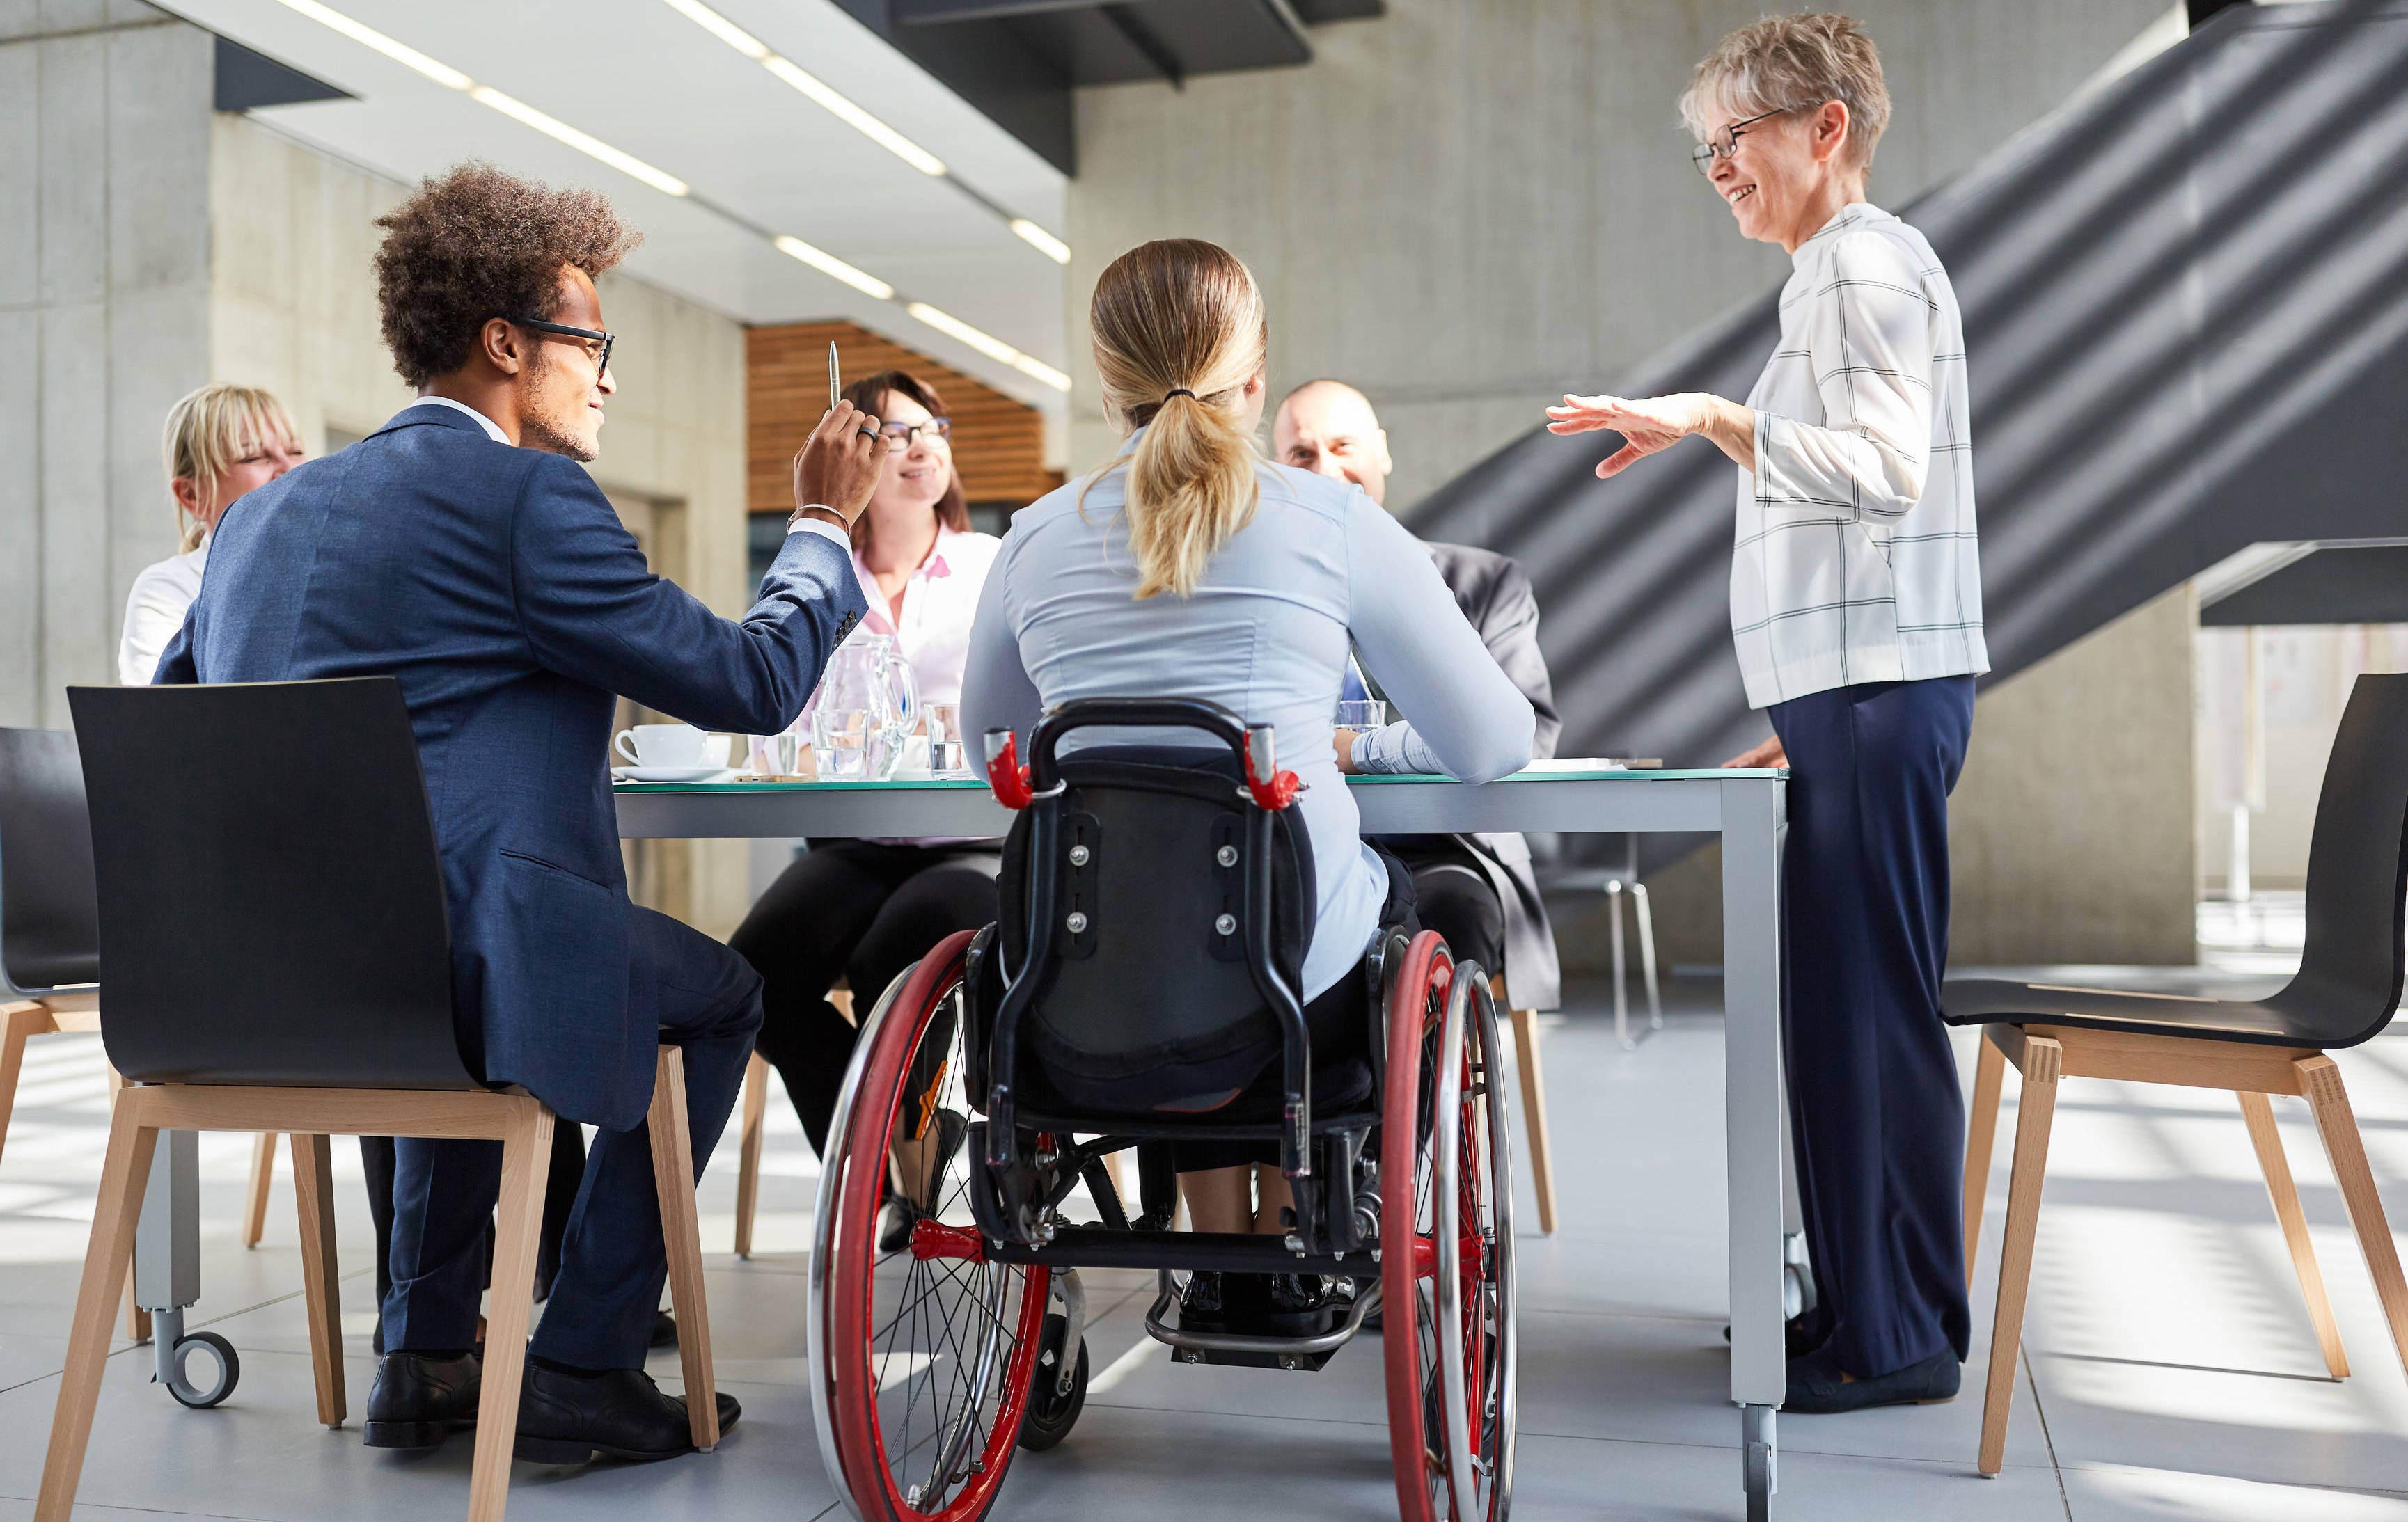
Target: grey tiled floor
x,y
2170,1370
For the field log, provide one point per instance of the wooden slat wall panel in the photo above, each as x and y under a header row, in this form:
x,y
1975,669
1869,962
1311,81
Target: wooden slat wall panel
x,y
998,443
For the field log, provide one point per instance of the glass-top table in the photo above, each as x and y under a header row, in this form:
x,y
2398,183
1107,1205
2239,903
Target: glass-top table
x,y
1745,808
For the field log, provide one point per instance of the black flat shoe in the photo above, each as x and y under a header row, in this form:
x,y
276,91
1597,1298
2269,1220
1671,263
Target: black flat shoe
x,y
1300,1305
417,1401
663,1329
1817,1388
568,1418
1215,1302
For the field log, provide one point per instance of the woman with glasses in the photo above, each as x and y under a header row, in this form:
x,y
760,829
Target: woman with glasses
x,y
1856,608
864,910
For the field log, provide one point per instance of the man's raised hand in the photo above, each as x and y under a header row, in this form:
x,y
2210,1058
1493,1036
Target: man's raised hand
x,y
836,468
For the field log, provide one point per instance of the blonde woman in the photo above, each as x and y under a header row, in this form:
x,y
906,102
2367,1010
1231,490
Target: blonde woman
x,y
1190,566
221,441
1857,608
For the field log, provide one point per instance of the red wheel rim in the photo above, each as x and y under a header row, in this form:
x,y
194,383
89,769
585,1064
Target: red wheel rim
x,y
854,1314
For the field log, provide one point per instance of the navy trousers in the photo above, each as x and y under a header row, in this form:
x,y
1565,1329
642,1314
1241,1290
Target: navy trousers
x,y
612,1259
1875,1106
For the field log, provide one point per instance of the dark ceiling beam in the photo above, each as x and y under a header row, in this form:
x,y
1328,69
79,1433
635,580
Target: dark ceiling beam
x,y
1140,36
939,12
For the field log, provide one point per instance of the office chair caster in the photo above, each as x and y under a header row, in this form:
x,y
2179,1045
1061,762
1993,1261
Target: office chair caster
x,y
175,1360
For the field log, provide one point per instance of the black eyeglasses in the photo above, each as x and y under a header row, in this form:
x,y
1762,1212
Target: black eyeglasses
x,y
900,435
602,359
1722,142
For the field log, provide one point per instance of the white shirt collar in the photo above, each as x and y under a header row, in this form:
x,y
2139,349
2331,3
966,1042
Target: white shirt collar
x,y
493,429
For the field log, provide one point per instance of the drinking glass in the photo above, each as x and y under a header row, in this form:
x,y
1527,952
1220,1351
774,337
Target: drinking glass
x,y
777,755
1361,715
947,755
841,739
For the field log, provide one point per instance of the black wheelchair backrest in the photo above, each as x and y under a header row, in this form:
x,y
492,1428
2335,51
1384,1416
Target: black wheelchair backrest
x,y
1154,916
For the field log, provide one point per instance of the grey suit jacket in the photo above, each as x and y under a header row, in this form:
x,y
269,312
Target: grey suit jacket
x,y
1494,593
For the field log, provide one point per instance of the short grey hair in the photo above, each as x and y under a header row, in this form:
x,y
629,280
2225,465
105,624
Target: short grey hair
x,y
1793,61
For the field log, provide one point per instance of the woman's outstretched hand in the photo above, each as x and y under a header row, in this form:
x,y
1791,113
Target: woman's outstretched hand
x,y
1770,753
1652,423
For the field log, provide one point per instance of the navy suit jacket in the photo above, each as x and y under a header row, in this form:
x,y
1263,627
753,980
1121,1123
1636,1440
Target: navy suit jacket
x,y
500,588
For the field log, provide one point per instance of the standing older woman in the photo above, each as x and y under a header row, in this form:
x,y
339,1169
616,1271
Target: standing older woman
x,y
866,909
1857,606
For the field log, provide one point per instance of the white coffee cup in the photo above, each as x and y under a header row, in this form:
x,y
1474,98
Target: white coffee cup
x,y
670,745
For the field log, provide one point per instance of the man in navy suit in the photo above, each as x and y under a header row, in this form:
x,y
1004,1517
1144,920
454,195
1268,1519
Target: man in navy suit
x,y
464,550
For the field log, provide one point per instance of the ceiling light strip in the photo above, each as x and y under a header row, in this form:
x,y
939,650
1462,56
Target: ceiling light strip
x,y
861,120
627,164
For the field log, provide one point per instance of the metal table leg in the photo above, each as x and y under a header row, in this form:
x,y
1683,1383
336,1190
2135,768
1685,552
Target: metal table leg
x,y
168,1274
1753,819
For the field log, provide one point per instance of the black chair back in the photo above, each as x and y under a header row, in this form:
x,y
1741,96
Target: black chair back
x,y
271,901
50,918
2351,968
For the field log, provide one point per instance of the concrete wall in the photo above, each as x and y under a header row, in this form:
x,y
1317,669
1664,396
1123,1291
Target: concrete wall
x,y
103,319
1469,207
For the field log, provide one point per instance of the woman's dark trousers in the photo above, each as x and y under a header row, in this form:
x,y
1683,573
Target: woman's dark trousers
x,y
864,911
1873,1100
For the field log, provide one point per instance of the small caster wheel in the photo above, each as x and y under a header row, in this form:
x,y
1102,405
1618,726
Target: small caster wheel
x,y
1051,1414
200,1397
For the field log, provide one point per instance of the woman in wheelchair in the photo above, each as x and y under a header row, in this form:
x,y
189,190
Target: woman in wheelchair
x,y
1190,565
1197,958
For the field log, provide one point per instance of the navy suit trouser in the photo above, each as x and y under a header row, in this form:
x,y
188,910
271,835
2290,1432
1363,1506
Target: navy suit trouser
x,y
1875,1106
612,1259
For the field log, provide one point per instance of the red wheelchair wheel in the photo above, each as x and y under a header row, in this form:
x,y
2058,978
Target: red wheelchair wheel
x,y
926,1351
1446,1246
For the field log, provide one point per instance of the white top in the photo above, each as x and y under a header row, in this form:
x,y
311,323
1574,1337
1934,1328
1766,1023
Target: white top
x,y
1856,558
939,600
1265,634
154,611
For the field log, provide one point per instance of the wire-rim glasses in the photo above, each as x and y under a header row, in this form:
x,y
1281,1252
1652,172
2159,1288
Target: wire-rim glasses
x,y
1722,142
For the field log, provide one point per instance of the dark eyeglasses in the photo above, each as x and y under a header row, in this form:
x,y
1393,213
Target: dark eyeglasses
x,y
1722,142
900,435
601,359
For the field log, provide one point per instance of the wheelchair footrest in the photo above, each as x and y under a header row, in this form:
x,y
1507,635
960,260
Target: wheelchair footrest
x,y
1296,1362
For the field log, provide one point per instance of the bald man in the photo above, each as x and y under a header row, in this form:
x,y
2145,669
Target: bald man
x,y
1476,891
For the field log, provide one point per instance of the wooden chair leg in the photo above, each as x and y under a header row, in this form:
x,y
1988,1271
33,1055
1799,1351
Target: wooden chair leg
x,y
748,1152
314,1190
124,1175
2043,1060
2260,1113
1981,1136
137,1320
527,1160
1534,1114
263,1175
17,1022
2320,1081
673,1175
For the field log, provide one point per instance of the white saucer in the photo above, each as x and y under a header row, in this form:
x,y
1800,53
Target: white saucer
x,y
672,773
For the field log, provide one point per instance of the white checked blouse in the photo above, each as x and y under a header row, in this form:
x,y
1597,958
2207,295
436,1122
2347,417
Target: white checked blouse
x,y
1856,558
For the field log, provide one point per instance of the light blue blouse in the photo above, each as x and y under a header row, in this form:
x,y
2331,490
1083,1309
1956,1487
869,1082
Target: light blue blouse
x,y
1266,633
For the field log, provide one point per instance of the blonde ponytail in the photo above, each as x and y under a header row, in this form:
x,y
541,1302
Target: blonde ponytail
x,y
1180,330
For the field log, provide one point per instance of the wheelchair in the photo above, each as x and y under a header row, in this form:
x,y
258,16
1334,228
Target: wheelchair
x,y
1154,903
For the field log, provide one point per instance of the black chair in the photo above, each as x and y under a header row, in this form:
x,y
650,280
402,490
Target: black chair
x,y
272,908
2347,989
50,931
1156,908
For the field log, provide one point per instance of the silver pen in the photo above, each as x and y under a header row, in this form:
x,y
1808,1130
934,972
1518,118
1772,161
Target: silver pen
x,y
833,385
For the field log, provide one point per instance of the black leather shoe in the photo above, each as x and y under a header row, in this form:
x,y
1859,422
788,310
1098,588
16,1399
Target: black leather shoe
x,y
620,1413
1795,1340
1300,1305
417,1402
663,1329
1817,1387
